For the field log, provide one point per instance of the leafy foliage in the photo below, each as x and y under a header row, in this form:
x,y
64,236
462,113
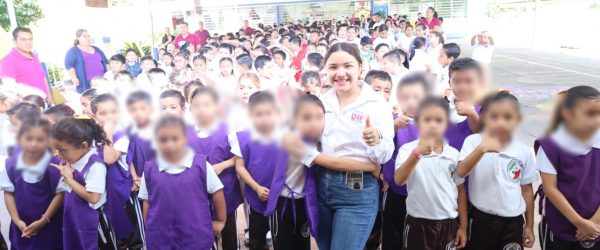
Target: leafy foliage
x,y
27,12
140,48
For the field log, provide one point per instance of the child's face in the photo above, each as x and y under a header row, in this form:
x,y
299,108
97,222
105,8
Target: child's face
x,y
223,52
171,142
465,84
585,116
267,70
483,39
131,57
501,119
322,50
382,87
171,105
245,89
199,66
351,34
167,60
388,66
408,32
140,112
107,113
310,121
433,39
226,67
35,141
409,98
278,59
443,59
147,65
85,105
264,117
311,49
205,109
432,122
419,31
366,47
116,66
180,63
383,34
69,152
382,50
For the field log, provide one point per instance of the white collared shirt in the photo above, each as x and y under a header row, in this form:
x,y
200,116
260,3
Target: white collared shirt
x,y
495,183
207,131
420,61
432,192
566,142
213,183
443,83
30,173
483,53
122,145
342,135
95,178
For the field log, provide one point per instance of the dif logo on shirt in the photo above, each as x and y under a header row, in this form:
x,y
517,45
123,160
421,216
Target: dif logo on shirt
x,y
358,117
514,169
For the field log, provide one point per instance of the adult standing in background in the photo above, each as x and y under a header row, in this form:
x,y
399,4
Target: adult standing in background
x,y
202,34
167,37
186,40
431,19
247,29
84,61
22,66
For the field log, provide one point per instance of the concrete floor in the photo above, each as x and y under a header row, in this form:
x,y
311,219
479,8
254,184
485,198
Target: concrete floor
x,y
533,76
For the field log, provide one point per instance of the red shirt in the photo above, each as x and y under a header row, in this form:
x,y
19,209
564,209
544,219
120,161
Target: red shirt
x,y
24,70
190,38
202,36
434,22
297,62
249,30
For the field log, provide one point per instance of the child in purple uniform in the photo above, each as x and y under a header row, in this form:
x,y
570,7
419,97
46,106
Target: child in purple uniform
x,y
139,107
121,210
33,198
85,225
176,188
569,160
209,136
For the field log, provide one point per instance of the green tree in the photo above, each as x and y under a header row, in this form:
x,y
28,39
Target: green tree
x,y
26,11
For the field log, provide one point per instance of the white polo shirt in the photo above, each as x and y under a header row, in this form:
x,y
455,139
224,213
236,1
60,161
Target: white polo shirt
x,y
495,183
566,142
30,173
483,53
121,145
95,178
432,192
213,183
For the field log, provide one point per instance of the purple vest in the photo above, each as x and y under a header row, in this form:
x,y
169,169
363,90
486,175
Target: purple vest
x,y
578,179
457,133
261,161
32,200
179,213
80,221
118,191
139,152
217,149
403,136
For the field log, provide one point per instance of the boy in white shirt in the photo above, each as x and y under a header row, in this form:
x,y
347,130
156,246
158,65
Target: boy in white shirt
x,y
483,47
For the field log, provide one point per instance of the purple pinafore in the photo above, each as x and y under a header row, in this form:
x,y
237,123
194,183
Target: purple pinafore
x,y
310,193
261,161
118,191
139,152
179,214
457,133
217,149
578,179
32,200
80,221
403,135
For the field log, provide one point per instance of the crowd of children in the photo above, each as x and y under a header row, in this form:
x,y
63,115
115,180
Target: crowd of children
x,y
322,130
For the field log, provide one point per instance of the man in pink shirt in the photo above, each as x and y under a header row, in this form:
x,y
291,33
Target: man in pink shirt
x,y
22,66
202,34
247,29
186,37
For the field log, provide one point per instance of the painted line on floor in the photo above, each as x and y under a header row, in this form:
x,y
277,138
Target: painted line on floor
x,y
546,65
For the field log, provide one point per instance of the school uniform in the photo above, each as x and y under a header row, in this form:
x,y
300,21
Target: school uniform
x,y
419,61
261,155
140,148
85,225
123,210
34,187
443,81
459,127
394,205
495,192
483,53
432,206
214,143
179,215
575,165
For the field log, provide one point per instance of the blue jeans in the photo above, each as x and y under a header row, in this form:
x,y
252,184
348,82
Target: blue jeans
x,y
346,215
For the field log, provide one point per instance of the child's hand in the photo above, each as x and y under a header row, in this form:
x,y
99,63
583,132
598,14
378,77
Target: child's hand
x,y
587,230
109,128
528,237
401,122
461,237
136,183
263,193
21,225
370,134
464,109
218,227
34,228
425,146
294,145
66,171
385,186
490,144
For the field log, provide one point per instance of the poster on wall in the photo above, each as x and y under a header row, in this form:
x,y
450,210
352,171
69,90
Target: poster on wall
x,y
362,8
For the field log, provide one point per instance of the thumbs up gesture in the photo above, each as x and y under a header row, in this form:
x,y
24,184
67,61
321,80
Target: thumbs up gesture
x,y
425,146
370,134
